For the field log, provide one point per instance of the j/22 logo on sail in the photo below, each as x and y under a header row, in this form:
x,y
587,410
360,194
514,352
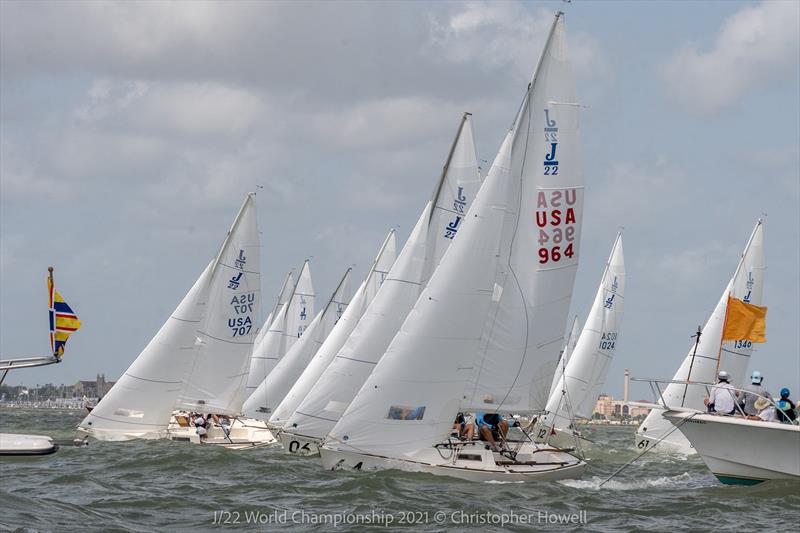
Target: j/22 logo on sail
x,y
551,144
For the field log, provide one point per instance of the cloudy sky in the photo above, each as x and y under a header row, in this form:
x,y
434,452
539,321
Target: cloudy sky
x,y
130,133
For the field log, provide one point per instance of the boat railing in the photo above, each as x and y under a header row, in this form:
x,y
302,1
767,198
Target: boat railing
x,y
24,362
661,403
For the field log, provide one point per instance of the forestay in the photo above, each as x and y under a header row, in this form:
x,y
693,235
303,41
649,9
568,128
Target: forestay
x,y
566,353
341,331
274,388
435,229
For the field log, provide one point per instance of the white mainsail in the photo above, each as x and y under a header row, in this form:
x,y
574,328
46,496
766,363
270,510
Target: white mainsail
x,y
585,373
710,354
491,318
300,309
274,388
341,331
284,330
566,353
435,229
209,334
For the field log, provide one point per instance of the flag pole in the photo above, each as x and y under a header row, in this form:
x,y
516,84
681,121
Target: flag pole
x,y
724,325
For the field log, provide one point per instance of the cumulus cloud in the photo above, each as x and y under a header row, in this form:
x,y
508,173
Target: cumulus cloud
x,y
756,46
497,35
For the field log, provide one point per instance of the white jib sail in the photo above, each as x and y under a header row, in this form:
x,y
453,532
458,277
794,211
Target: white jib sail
x,y
277,384
341,331
585,373
410,400
283,331
712,355
566,353
275,321
140,404
434,231
300,308
283,297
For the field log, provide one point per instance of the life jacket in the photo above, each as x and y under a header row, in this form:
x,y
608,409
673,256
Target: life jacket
x,y
785,411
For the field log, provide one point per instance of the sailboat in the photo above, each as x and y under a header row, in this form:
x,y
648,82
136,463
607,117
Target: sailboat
x,y
583,374
199,359
435,229
63,323
276,385
335,340
287,326
709,353
485,332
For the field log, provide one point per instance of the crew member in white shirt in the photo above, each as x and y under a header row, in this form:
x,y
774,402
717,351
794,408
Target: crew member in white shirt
x,y
722,399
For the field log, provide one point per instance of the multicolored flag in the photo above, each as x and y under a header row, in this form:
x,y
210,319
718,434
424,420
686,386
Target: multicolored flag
x,y
63,320
744,321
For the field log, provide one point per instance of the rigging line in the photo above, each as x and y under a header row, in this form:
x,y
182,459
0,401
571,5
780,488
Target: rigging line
x,y
511,249
623,467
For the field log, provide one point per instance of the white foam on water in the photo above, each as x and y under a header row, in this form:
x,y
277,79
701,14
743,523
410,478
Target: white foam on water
x,y
642,483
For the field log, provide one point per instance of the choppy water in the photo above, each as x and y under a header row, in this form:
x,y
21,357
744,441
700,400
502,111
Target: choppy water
x,y
158,485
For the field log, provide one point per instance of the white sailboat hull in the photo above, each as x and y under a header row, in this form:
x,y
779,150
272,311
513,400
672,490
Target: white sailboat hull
x,y
472,463
299,444
673,442
560,438
741,451
244,433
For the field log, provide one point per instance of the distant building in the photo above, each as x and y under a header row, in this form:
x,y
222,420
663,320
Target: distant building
x,y
608,407
93,389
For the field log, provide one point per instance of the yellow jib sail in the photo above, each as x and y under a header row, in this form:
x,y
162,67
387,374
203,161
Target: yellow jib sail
x,y
745,322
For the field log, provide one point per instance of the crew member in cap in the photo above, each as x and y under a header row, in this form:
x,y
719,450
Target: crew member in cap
x,y
722,399
752,392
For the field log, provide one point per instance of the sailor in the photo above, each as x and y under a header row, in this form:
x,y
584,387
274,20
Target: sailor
x,y
786,408
464,426
752,392
491,427
722,399
766,411
200,426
